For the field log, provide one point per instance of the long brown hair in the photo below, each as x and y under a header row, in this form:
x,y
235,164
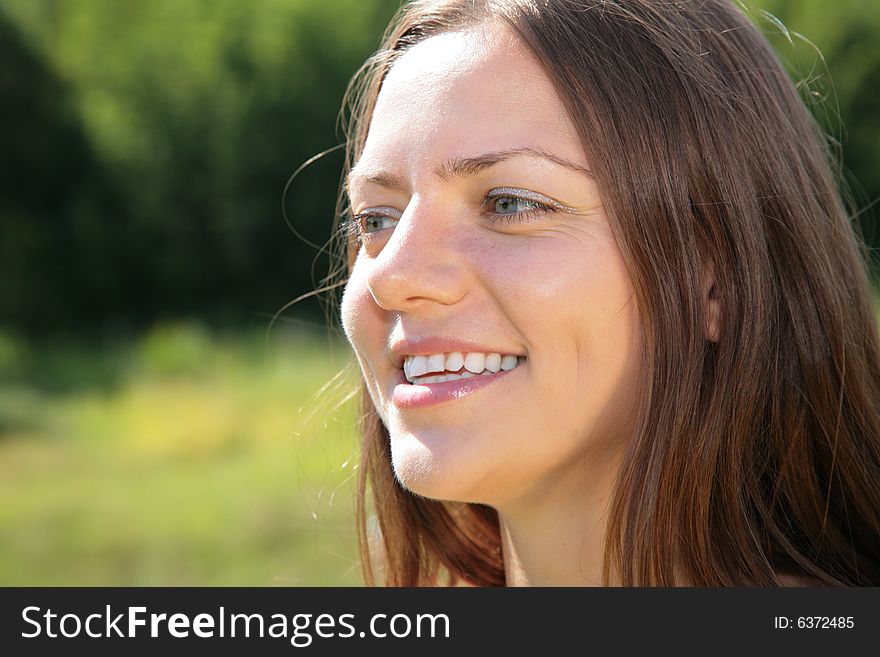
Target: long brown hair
x,y
755,455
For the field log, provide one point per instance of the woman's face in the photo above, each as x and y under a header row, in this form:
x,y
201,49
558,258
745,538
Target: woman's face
x,y
486,248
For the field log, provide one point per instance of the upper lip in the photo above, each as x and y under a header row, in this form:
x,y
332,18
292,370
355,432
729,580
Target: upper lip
x,y
426,346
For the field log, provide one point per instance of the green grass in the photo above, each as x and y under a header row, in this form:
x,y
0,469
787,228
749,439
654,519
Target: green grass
x,y
183,458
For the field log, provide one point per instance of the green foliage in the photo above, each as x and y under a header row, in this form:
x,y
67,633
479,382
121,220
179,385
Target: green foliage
x,y
831,50
151,144
176,349
235,472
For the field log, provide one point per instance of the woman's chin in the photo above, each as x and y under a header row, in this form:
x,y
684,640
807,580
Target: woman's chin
x,y
432,474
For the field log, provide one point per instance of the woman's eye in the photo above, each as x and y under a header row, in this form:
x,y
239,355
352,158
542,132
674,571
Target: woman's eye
x,y
374,220
373,223
513,205
517,205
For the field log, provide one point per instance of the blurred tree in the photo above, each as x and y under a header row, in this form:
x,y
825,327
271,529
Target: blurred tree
x,y
58,253
193,115
834,56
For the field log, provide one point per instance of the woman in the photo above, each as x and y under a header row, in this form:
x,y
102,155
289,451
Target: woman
x,y
613,321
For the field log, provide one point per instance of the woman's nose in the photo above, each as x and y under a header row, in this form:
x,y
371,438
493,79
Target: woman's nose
x,y
419,267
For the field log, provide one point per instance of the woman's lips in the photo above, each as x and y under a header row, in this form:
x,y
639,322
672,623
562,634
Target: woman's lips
x,y
408,395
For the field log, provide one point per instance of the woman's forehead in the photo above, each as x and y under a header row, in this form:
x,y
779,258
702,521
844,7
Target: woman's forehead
x,y
467,92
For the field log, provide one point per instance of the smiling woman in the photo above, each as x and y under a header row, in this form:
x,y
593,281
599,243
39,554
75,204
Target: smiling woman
x,y
613,323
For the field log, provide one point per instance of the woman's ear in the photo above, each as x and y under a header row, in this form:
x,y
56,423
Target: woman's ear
x,y
712,304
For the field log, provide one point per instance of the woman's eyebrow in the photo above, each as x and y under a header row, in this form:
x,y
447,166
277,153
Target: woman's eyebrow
x,y
462,167
380,178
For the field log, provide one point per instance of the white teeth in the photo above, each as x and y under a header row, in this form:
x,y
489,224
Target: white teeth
x,y
448,367
436,363
508,362
454,361
418,366
475,362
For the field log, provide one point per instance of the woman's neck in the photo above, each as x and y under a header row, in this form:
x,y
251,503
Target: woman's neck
x,y
562,558
557,536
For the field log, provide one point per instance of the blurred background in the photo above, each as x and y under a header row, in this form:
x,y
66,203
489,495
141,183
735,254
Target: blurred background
x,y
157,427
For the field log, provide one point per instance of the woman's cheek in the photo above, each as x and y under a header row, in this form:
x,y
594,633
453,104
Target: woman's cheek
x,y
356,308
542,269
361,321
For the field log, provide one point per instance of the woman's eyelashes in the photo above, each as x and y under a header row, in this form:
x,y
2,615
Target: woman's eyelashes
x,y
504,204
374,220
511,205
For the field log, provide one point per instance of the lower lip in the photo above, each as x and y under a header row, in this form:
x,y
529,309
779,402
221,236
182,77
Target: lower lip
x,y
409,395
